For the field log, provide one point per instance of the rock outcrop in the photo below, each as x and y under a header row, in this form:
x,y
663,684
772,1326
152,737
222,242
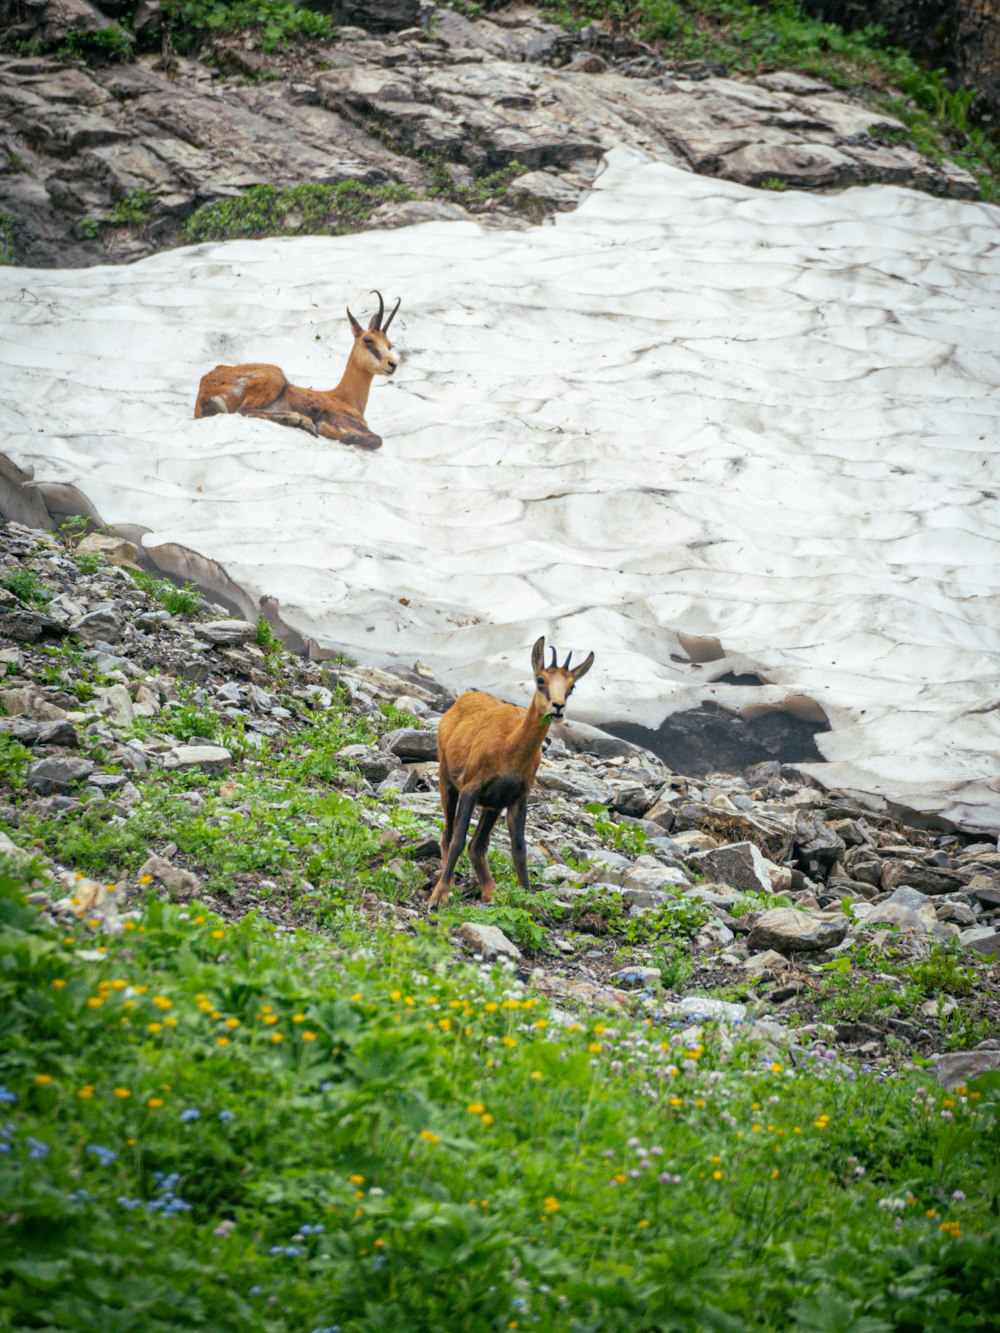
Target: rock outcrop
x,y
111,161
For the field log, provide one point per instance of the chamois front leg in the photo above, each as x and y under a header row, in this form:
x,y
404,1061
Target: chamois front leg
x,y
296,419
364,439
516,818
463,816
477,852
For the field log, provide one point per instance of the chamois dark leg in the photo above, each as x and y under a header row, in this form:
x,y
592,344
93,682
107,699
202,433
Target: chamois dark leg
x,y
463,816
296,419
363,438
516,817
477,852
449,802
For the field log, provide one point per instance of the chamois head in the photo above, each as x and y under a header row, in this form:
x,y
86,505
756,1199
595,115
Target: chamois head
x,y
372,351
554,683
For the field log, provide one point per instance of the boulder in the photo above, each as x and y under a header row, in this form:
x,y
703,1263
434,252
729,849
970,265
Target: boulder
x,y
51,776
207,758
409,743
116,550
179,882
959,1067
739,864
489,941
226,633
788,931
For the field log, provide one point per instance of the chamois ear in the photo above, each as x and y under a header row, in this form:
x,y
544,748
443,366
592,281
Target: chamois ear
x,y
584,667
358,330
538,656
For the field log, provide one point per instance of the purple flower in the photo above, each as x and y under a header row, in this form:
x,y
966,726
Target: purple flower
x,y
104,1155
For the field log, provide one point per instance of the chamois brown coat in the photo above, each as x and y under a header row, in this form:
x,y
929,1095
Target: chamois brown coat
x,y
259,390
488,755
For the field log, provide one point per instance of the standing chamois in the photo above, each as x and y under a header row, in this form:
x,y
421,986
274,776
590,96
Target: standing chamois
x,y
337,414
488,755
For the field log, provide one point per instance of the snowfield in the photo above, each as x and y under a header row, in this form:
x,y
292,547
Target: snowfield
x,y
697,428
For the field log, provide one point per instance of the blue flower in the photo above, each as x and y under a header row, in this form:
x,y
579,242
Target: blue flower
x,y
192,1113
255,1291
6,1096
80,1196
104,1155
226,1115
37,1150
129,1203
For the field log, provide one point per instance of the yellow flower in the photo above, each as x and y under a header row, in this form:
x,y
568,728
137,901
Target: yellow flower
x,y
676,1101
550,1204
644,1223
776,1068
200,920
162,1002
621,1177
512,1004
574,1027
128,925
429,1136
86,1091
775,1174
43,1080
598,1029
508,1041
357,995
270,1020
145,879
487,1119
491,1007
95,1001
536,1074
276,1037
218,934
700,1103
931,1212
298,1018
475,1108
948,1101
759,1129
154,1028
128,1004
595,1047
395,995
122,1094
716,1175
444,1024
140,990
356,1180
68,939
118,984
58,983
541,1024
222,1041
755,1106
170,1022
235,1022
716,1161
155,1103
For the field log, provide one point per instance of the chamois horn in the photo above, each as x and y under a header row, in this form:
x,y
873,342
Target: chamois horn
x,y
553,663
376,320
392,314
566,663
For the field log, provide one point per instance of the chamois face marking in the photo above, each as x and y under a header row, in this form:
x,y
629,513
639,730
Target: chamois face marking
x,y
556,683
372,351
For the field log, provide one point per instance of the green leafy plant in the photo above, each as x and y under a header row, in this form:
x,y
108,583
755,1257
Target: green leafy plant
x,y
274,23
311,209
27,587
183,601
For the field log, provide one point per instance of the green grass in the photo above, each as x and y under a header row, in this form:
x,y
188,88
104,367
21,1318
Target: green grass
x,y
753,38
8,239
300,210
183,601
274,23
27,587
210,1126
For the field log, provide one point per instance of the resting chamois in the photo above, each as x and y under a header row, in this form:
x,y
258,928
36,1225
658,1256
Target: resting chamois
x,y
488,755
337,414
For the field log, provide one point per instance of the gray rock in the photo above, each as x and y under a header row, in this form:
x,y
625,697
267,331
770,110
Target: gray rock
x,y
917,875
117,705
398,781
766,962
51,776
180,883
635,978
981,939
959,1067
371,763
226,633
704,1007
739,864
116,550
409,743
789,931
207,758
490,941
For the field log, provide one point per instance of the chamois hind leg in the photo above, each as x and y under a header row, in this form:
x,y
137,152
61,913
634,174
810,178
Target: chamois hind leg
x,y
516,817
477,852
463,815
449,801
243,388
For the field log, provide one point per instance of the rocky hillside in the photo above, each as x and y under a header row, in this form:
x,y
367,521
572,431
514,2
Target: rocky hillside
x,y
113,144
150,739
